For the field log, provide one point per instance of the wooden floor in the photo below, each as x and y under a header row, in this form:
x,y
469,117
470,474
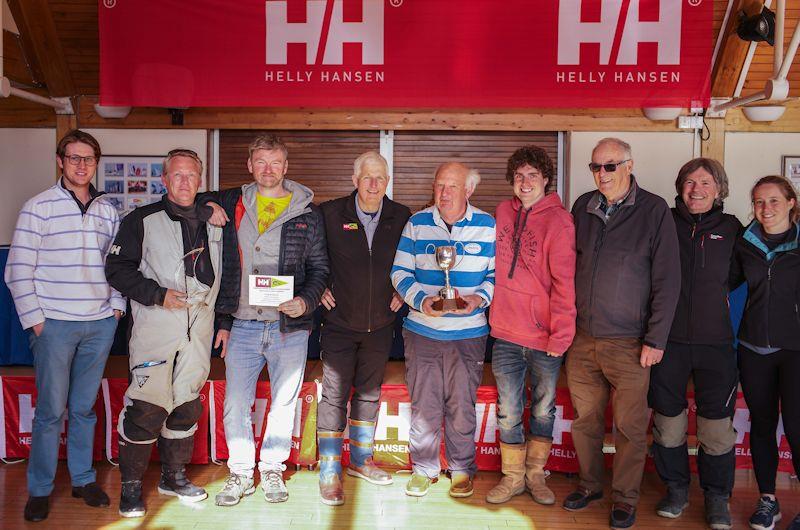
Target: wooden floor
x,y
367,506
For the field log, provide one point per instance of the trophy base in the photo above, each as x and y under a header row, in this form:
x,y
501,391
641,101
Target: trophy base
x,y
449,304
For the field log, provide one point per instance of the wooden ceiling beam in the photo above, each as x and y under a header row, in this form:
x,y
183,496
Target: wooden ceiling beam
x,y
377,119
732,51
38,32
16,65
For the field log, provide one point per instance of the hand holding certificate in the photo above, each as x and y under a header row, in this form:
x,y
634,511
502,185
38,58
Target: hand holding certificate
x,y
270,291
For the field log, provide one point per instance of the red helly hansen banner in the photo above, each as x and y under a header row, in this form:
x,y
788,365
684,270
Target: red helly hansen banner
x,y
16,417
113,399
405,53
304,432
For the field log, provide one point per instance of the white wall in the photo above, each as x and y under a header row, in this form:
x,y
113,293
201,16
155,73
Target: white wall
x,y
657,157
750,156
28,160
27,167
152,142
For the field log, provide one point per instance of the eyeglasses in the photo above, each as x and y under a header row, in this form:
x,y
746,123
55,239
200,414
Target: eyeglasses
x,y
610,168
75,160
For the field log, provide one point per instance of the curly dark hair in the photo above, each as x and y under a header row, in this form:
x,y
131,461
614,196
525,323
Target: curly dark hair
x,y
534,156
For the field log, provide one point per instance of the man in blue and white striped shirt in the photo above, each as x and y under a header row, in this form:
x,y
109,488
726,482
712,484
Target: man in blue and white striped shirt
x,y
444,350
56,275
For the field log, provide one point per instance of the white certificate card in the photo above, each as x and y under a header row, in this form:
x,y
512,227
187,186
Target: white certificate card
x,y
270,290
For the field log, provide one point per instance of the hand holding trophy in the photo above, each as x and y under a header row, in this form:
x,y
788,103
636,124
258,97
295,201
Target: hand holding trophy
x,y
445,256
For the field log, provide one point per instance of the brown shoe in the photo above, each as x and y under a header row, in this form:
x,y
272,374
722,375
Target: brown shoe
x,y
512,458
622,516
370,472
331,491
538,451
460,485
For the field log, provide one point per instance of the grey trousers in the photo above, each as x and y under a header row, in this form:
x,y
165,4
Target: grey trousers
x,y
443,378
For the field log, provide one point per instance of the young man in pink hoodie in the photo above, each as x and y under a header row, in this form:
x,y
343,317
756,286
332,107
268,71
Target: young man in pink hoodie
x,y
532,320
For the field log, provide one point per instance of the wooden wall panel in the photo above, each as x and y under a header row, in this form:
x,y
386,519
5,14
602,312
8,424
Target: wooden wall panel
x,y
77,29
321,160
418,154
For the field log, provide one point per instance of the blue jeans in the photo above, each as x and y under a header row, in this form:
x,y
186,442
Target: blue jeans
x,y
510,364
253,344
69,358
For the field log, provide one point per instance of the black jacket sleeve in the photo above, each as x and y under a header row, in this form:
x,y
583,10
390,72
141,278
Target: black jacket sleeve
x,y
316,264
665,274
122,264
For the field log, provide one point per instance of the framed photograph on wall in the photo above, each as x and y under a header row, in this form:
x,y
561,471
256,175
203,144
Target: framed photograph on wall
x,y
791,169
130,181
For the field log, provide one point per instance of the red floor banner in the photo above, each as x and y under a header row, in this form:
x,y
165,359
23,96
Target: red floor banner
x,y
405,53
392,431
16,417
113,398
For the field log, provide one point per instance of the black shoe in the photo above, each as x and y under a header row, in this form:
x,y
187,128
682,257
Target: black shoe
x,y
580,499
174,482
718,513
795,524
37,508
91,495
768,512
673,504
622,515
130,499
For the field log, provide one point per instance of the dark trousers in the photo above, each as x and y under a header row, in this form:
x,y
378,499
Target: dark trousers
x,y
356,361
771,384
713,370
443,378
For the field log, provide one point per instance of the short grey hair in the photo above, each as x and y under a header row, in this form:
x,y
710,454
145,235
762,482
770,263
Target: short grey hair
x,y
369,156
624,146
473,179
188,153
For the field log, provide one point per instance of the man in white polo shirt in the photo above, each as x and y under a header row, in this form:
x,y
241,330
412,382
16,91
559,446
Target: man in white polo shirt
x,y
56,277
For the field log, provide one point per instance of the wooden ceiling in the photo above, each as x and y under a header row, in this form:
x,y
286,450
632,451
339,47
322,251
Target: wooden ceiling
x,y
57,53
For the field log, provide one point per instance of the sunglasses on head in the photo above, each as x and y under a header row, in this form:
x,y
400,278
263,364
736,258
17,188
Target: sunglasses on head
x,y
610,168
185,152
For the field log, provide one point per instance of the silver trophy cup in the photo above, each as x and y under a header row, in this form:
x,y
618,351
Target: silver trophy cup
x,y
446,257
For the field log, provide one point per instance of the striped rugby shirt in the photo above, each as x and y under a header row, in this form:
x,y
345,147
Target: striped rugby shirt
x,y
56,264
415,274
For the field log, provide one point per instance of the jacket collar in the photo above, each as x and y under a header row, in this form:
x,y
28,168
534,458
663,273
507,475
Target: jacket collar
x,y
301,199
593,206
350,208
466,219
93,194
754,235
683,212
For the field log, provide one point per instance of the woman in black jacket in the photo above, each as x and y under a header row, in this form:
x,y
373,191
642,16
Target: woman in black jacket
x,y
767,257
700,346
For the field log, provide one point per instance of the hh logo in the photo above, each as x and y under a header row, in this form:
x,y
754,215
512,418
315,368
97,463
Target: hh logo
x,y
619,31
26,413
325,31
400,421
